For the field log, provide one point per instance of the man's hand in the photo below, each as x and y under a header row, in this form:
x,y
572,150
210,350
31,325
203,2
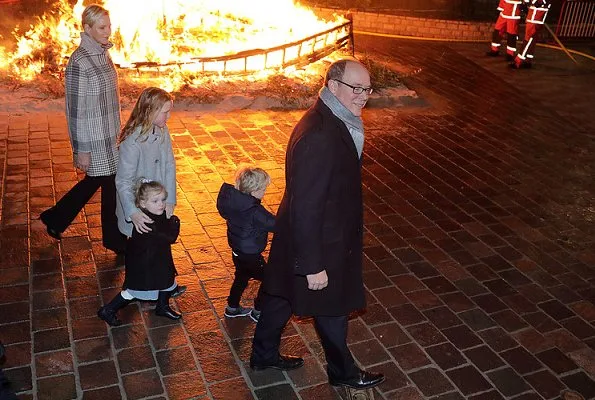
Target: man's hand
x,y
317,281
169,210
140,220
83,160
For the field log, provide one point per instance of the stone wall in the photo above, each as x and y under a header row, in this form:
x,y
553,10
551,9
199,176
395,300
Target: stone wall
x,y
415,26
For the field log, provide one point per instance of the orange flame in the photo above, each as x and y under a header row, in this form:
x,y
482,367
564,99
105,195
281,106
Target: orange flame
x,y
171,35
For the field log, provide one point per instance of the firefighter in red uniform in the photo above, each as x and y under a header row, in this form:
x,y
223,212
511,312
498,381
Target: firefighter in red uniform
x,y
507,22
534,24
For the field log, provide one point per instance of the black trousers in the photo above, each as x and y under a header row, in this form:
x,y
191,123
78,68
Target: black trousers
x,y
248,266
67,208
276,312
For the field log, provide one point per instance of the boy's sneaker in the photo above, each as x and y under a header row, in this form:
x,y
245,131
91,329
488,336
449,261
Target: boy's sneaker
x,y
255,315
232,312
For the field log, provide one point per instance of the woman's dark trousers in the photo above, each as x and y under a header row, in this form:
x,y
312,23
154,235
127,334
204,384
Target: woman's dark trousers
x,y
67,208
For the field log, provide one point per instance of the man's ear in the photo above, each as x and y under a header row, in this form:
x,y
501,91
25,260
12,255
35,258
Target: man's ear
x,y
332,86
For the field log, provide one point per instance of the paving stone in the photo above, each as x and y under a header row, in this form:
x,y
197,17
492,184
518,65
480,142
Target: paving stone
x,y
476,319
521,360
172,336
174,361
507,381
446,356
322,392
409,356
142,384
484,358
135,359
59,387
430,381
55,363
406,314
98,374
53,339
468,380
545,383
491,395
111,392
390,334
185,385
580,382
462,337
442,317
498,339
369,352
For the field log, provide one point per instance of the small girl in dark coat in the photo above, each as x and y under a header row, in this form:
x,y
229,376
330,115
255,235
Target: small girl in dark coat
x,y
150,270
248,225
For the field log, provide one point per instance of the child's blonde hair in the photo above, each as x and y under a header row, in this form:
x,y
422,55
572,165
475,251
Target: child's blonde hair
x,y
251,179
92,13
149,103
144,188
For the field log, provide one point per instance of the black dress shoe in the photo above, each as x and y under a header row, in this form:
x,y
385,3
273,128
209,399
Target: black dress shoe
x,y
492,54
362,381
179,290
283,363
509,58
51,231
109,316
168,313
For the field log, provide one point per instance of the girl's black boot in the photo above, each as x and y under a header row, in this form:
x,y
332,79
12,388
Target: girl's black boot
x,y
108,312
163,309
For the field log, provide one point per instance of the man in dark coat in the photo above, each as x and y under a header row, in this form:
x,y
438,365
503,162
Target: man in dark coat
x,y
315,262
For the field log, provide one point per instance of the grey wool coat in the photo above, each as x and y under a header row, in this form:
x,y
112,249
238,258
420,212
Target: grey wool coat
x,y
320,219
152,159
93,105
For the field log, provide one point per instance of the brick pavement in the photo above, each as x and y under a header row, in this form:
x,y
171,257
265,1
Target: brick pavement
x,y
479,255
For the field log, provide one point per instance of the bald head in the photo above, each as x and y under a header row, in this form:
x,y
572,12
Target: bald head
x,y
343,78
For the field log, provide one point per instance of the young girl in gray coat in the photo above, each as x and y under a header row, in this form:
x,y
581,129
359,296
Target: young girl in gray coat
x,y
145,152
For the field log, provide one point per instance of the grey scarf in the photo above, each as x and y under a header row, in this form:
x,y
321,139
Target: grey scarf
x,y
354,124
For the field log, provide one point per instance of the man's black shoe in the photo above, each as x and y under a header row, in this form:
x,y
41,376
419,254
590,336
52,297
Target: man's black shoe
x,y
509,58
362,381
492,54
283,363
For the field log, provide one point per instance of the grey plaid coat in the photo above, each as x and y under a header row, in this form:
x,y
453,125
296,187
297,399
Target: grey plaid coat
x,y
93,105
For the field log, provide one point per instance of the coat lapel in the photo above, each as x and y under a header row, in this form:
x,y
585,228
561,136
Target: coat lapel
x,y
342,128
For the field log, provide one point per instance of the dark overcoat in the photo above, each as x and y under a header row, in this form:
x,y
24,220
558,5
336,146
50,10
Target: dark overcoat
x,y
149,262
320,219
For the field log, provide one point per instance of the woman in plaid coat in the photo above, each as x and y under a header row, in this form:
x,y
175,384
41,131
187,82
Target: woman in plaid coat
x,y
93,117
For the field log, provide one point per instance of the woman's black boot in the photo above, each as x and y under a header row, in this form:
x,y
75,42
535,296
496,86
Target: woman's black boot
x,y
163,309
108,312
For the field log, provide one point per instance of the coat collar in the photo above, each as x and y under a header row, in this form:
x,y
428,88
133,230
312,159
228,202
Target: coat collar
x,y
94,48
342,128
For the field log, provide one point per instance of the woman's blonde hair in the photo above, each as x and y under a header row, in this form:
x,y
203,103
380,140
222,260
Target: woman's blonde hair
x,y
251,179
92,13
144,188
148,105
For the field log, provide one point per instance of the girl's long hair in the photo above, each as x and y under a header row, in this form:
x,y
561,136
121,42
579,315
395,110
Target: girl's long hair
x,y
146,108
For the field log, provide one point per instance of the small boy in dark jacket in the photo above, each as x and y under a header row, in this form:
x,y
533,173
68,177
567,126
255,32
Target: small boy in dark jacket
x,y
248,225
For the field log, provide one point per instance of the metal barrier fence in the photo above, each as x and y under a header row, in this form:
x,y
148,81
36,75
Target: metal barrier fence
x,y
577,20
